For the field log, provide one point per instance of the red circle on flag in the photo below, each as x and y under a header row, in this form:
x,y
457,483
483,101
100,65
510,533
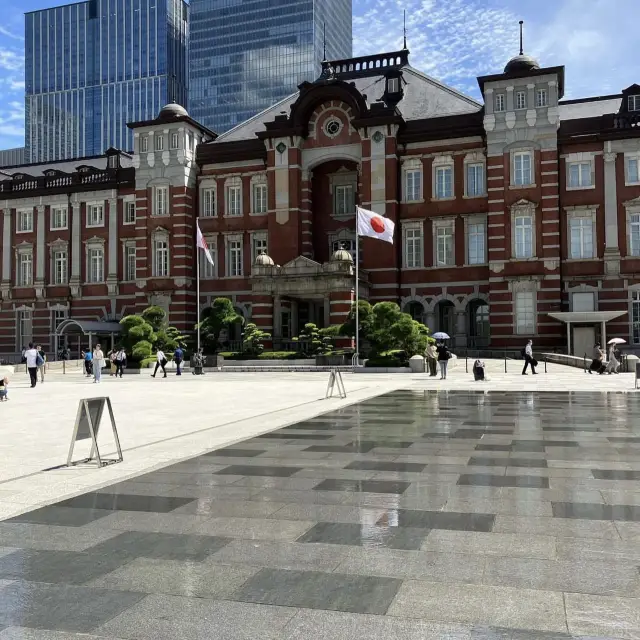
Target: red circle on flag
x,y
377,224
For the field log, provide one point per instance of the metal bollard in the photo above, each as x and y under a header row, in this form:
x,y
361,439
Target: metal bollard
x,y
545,365
505,362
585,363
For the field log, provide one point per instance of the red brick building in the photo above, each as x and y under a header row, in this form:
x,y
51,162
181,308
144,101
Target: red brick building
x,y
516,217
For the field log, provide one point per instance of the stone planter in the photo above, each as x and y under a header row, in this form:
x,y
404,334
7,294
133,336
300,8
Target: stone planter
x,y
333,361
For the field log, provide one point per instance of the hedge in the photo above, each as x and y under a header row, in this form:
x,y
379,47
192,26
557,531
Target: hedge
x,y
265,355
394,358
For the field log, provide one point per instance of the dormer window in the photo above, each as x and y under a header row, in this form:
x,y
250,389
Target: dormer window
x,y
18,176
112,162
393,85
634,102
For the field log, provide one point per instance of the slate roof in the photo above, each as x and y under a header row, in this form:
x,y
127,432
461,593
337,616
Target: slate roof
x,y
573,110
67,166
424,97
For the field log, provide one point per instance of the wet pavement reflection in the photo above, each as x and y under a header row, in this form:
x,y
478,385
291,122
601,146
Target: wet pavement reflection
x,y
413,515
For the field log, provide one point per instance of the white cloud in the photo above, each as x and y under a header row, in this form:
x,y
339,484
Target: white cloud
x,y
11,60
9,34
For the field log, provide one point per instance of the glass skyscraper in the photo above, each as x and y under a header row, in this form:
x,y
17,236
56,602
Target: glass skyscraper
x,y
245,55
93,66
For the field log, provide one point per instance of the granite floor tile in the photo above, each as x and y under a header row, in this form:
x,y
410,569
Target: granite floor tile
x,y
160,617
254,528
615,474
564,527
287,484
629,531
319,426
160,522
329,513
588,511
62,516
386,466
303,497
522,481
352,447
474,604
23,633
500,462
365,535
68,567
212,507
501,506
334,625
184,478
607,551
139,489
439,520
162,546
236,453
178,578
317,590
62,607
368,486
246,470
295,436
493,447
216,492
40,536
603,615
491,544
123,502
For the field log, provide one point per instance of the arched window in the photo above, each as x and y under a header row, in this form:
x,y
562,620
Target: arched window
x,y
416,310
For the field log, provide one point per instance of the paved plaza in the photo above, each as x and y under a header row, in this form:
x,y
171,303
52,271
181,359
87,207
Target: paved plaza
x,y
248,507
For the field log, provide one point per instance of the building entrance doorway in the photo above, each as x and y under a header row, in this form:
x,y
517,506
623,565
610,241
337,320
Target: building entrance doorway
x,y
584,339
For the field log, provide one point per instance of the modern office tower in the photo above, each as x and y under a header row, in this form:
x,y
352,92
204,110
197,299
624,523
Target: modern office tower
x,y
93,66
244,55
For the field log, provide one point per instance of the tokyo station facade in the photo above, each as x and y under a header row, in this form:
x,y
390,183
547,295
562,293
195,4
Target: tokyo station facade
x,y
516,217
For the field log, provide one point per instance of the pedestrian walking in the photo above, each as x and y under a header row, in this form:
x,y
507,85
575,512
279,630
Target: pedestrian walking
x,y
596,362
98,363
432,359
121,361
4,389
42,367
111,358
178,357
444,355
529,360
87,356
161,362
31,358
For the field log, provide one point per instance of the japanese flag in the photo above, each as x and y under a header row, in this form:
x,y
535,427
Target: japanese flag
x,y
201,243
373,225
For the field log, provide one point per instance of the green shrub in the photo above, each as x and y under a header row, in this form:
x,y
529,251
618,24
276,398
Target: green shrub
x,y
386,362
265,355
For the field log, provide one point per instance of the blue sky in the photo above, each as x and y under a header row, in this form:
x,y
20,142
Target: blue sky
x,y
452,40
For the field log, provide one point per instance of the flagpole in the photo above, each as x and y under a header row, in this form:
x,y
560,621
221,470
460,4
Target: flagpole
x,y
357,293
198,283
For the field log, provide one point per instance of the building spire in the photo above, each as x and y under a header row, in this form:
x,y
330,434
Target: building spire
x,y
521,49
404,28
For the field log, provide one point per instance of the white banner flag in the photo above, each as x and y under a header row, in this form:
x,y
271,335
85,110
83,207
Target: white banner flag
x,y
201,243
373,225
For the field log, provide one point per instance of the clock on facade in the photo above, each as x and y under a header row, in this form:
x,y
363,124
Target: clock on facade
x,y
332,127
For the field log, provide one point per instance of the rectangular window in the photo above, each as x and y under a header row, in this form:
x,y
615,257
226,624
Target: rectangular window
x,y
413,248
522,165
525,312
174,140
259,198
208,203
499,102
634,103
144,144
159,143
476,243
160,258
521,99
234,200
259,245
542,98
635,316
161,201
60,267
583,301
475,180
58,316
59,219
444,246
129,263
130,212
634,235
343,200
96,265
523,234
25,221
581,231
579,175
413,188
95,215
25,269
444,182
633,174
208,270
24,328
234,257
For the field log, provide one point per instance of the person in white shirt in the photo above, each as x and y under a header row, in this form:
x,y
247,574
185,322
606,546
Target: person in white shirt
x,y
98,363
121,361
161,362
31,356
528,359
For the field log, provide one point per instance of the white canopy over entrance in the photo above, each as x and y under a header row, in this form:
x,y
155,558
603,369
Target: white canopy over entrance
x,y
90,329
586,317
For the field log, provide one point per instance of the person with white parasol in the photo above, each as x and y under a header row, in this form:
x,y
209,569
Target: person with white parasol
x,y
613,363
443,353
